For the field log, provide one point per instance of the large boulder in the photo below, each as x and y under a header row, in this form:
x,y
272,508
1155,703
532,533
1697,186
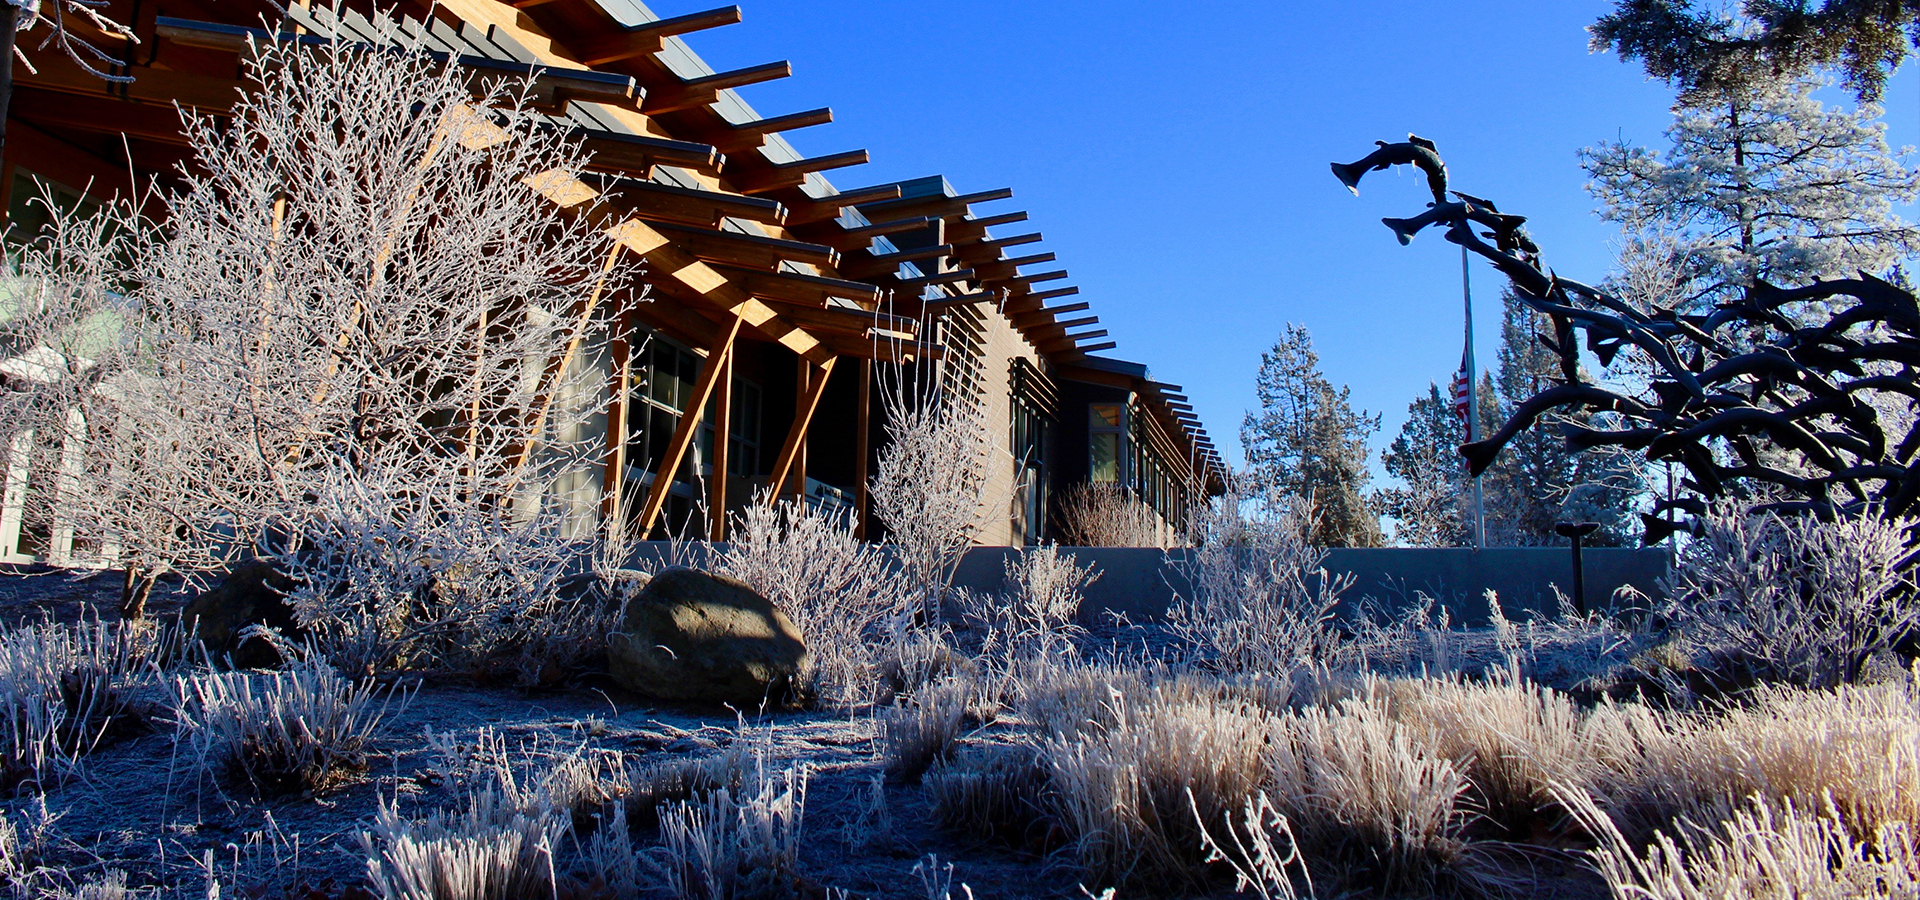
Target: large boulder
x,y
696,636
252,593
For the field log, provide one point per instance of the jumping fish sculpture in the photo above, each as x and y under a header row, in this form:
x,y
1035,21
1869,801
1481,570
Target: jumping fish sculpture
x,y
1415,151
1732,391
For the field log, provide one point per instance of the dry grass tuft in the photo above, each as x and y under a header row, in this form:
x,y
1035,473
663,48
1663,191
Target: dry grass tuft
x,y
994,791
495,850
1854,748
1513,740
1761,852
300,729
64,690
916,734
1126,787
728,847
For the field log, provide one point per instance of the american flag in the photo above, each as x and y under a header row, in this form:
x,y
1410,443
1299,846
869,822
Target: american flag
x,y
1462,390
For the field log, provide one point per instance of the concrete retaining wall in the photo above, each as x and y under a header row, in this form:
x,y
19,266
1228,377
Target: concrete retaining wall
x,y
1140,583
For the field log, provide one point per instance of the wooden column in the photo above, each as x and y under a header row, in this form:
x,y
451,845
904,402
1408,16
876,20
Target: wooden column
x,y
613,476
722,429
796,443
803,384
690,415
862,427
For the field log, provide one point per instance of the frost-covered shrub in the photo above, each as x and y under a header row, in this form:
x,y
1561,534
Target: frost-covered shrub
x,y
386,583
1257,598
298,729
929,490
1106,515
1036,614
842,593
1796,599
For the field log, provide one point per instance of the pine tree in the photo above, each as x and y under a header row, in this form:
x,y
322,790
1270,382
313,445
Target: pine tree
x,y
1425,458
1706,51
1308,441
1537,481
1762,182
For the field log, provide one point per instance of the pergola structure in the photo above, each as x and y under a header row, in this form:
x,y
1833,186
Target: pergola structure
x,y
766,280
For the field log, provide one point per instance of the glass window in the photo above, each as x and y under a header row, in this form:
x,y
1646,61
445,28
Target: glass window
x,y
1104,444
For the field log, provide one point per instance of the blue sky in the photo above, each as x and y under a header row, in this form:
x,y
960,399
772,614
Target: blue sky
x,y
1175,156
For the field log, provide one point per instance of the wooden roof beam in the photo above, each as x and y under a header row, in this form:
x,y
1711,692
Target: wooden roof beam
x,y
647,39
1044,315
956,275
1015,241
748,135
1069,341
1043,276
1010,268
1076,323
829,207
970,229
796,288
752,250
863,265
1056,293
793,174
706,89
1096,348
896,226
842,320
692,206
613,151
947,303
939,207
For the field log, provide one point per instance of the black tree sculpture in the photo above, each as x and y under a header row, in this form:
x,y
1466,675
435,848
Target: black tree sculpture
x,y
1746,393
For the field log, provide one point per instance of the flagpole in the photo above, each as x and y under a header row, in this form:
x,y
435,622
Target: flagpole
x,y
1473,404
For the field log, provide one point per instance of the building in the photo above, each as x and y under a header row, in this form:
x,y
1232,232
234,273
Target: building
x,y
775,294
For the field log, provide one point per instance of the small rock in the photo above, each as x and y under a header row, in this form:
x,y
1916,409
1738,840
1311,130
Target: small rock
x,y
694,636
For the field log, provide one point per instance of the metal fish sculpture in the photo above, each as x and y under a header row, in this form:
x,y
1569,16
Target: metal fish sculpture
x,y
1415,151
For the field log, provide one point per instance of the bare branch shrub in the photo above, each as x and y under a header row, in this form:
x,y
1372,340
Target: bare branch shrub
x,y
1103,514
1257,598
359,315
385,582
1796,599
299,729
1036,616
930,487
842,593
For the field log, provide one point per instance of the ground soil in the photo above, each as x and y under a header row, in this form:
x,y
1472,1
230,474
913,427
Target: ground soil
x,y
143,806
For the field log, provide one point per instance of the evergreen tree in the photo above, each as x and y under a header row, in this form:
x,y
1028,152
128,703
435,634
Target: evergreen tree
x,y
1427,507
1705,51
1763,183
1537,481
1307,440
